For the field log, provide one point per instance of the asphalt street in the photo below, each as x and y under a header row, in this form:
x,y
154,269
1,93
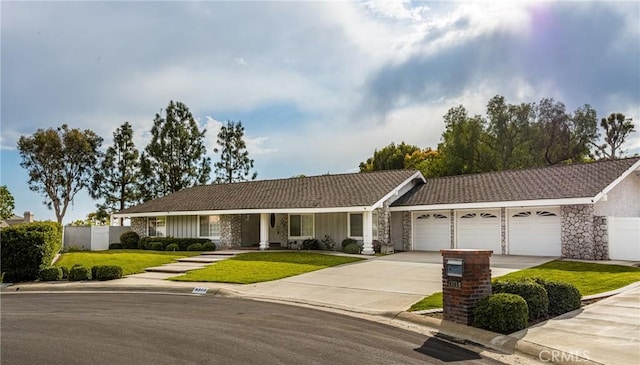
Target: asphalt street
x,y
114,328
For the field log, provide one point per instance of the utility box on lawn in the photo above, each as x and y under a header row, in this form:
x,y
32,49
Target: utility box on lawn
x,y
466,278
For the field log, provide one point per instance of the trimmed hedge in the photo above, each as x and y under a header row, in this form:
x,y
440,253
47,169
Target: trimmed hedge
x,y
107,272
78,273
65,272
533,293
183,243
115,246
156,246
352,248
51,273
172,247
563,297
195,247
28,248
503,313
208,246
347,241
129,239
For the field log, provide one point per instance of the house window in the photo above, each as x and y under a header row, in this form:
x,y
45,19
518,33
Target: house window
x,y
544,213
210,226
157,226
356,225
301,225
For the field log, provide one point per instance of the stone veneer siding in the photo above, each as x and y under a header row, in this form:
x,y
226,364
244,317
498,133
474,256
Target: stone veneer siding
x,y
452,228
406,230
139,226
384,224
230,231
503,231
578,240
601,238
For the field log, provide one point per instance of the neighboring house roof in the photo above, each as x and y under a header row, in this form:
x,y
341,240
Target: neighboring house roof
x,y
314,193
573,184
15,219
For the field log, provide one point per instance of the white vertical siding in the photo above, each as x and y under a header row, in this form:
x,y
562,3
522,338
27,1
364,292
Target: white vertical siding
x,y
332,224
182,226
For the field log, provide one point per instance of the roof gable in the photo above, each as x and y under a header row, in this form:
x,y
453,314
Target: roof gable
x,y
315,192
583,180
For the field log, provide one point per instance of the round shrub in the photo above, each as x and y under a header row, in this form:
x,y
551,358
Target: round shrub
x,y
65,272
156,246
129,239
532,292
347,241
563,297
94,270
108,272
503,313
172,247
51,273
352,248
78,273
195,247
208,246
115,246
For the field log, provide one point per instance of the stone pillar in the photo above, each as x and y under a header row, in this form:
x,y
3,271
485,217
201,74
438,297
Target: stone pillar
x,y
577,232
452,228
230,231
264,231
139,226
466,279
503,231
406,230
367,233
384,224
601,238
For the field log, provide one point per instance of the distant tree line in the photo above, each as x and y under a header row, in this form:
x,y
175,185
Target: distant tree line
x,y
62,161
510,136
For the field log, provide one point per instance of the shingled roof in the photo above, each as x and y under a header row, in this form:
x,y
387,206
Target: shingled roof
x,y
325,191
584,180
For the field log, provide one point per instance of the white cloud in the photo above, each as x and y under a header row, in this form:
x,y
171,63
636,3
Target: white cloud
x,y
240,61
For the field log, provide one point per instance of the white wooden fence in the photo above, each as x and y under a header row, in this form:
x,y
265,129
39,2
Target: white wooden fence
x,y
624,238
95,238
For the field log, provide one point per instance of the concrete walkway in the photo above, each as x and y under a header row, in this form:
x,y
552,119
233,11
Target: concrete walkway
x,y
606,332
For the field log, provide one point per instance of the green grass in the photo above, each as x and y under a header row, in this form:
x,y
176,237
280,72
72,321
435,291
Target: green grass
x,y
257,267
433,301
589,278
131,261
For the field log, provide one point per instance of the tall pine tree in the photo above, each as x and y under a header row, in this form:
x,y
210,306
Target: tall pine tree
x,y
176,157
117,179
235,164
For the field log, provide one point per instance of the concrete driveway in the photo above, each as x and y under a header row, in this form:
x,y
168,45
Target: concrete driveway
x,y
384,284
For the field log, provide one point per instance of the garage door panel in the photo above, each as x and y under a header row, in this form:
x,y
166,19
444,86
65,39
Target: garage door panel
x,y
431,231
535,232
479,229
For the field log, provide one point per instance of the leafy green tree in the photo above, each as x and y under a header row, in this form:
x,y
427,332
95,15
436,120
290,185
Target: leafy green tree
x,y
561,137
617,127
464,144
175,158
60,162
7,203
116,181
235,164
428,161
509,133
391,157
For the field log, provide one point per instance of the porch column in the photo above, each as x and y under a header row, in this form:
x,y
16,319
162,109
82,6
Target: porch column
x,y
367,233
264,231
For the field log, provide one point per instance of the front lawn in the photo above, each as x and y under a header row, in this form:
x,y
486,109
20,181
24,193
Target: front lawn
x,y
589,278
257,267
131,261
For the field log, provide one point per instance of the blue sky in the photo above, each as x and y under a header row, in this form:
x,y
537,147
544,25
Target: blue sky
x,y
318,85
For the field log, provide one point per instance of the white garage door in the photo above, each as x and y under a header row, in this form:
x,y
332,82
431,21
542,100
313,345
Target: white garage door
x,y
479,229
534,231
431,231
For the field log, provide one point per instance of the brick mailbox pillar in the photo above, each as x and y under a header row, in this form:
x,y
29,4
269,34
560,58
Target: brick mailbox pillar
x,y
466,278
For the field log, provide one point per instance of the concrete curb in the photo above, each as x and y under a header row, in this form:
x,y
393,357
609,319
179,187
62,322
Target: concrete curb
x,y
506,344
612,292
